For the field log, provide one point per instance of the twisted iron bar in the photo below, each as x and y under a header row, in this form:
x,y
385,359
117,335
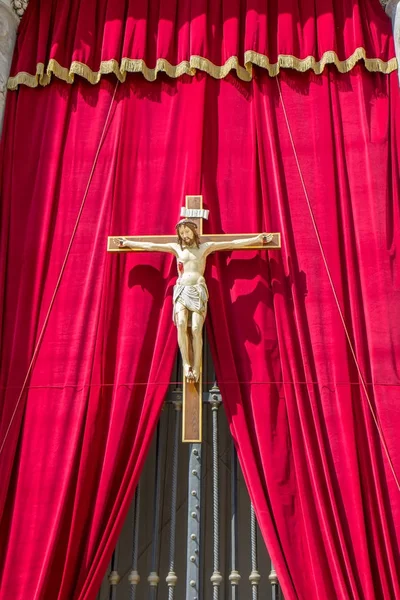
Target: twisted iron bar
x,y
114,577
254,577
216,577
134,576
153,577
273,578
171,578
234,576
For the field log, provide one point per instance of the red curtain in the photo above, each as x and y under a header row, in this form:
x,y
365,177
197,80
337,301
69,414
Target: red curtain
x,y
74,444
176,36
324,495
80,435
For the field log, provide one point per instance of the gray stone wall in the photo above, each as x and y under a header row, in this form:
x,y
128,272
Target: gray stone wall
x,y
8,29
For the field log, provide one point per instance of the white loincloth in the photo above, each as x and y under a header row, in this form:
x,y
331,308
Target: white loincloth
x,y
192,297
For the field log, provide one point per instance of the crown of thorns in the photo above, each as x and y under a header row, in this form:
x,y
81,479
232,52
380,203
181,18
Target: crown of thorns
x,y
186,222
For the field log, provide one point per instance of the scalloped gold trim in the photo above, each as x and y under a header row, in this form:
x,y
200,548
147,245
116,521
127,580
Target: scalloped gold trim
x,y
287,61
189,67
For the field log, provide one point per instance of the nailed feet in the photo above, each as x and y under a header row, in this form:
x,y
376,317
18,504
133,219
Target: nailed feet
x,y
191,374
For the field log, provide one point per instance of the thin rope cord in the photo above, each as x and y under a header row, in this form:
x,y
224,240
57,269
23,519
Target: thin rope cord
x,y
42,332
360,374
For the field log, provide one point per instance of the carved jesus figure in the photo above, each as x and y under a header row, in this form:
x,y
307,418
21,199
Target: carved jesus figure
x,y
190,295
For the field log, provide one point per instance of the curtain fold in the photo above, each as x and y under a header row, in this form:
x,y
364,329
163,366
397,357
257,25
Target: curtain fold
x,y
64,39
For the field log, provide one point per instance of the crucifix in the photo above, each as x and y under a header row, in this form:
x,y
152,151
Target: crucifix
x,y
190,295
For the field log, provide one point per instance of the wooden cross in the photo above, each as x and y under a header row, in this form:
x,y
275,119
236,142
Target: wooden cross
x,y
192,391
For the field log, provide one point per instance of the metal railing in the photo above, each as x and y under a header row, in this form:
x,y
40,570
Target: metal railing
x,y
200,539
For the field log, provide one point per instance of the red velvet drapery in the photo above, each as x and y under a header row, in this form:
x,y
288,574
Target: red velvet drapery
x,y
324,495
307,445
176,36
327,491
103,368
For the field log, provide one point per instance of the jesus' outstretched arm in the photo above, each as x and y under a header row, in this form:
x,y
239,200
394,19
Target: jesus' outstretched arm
x,y
149,246
262,238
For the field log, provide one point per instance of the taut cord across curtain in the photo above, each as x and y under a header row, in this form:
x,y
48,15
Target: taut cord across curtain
x,y
64,263
339,308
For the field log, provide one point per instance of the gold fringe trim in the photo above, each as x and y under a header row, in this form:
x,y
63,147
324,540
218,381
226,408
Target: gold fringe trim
x,y
189,67
286,61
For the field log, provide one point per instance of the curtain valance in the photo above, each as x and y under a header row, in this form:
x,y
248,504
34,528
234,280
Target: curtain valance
x,y
97,37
